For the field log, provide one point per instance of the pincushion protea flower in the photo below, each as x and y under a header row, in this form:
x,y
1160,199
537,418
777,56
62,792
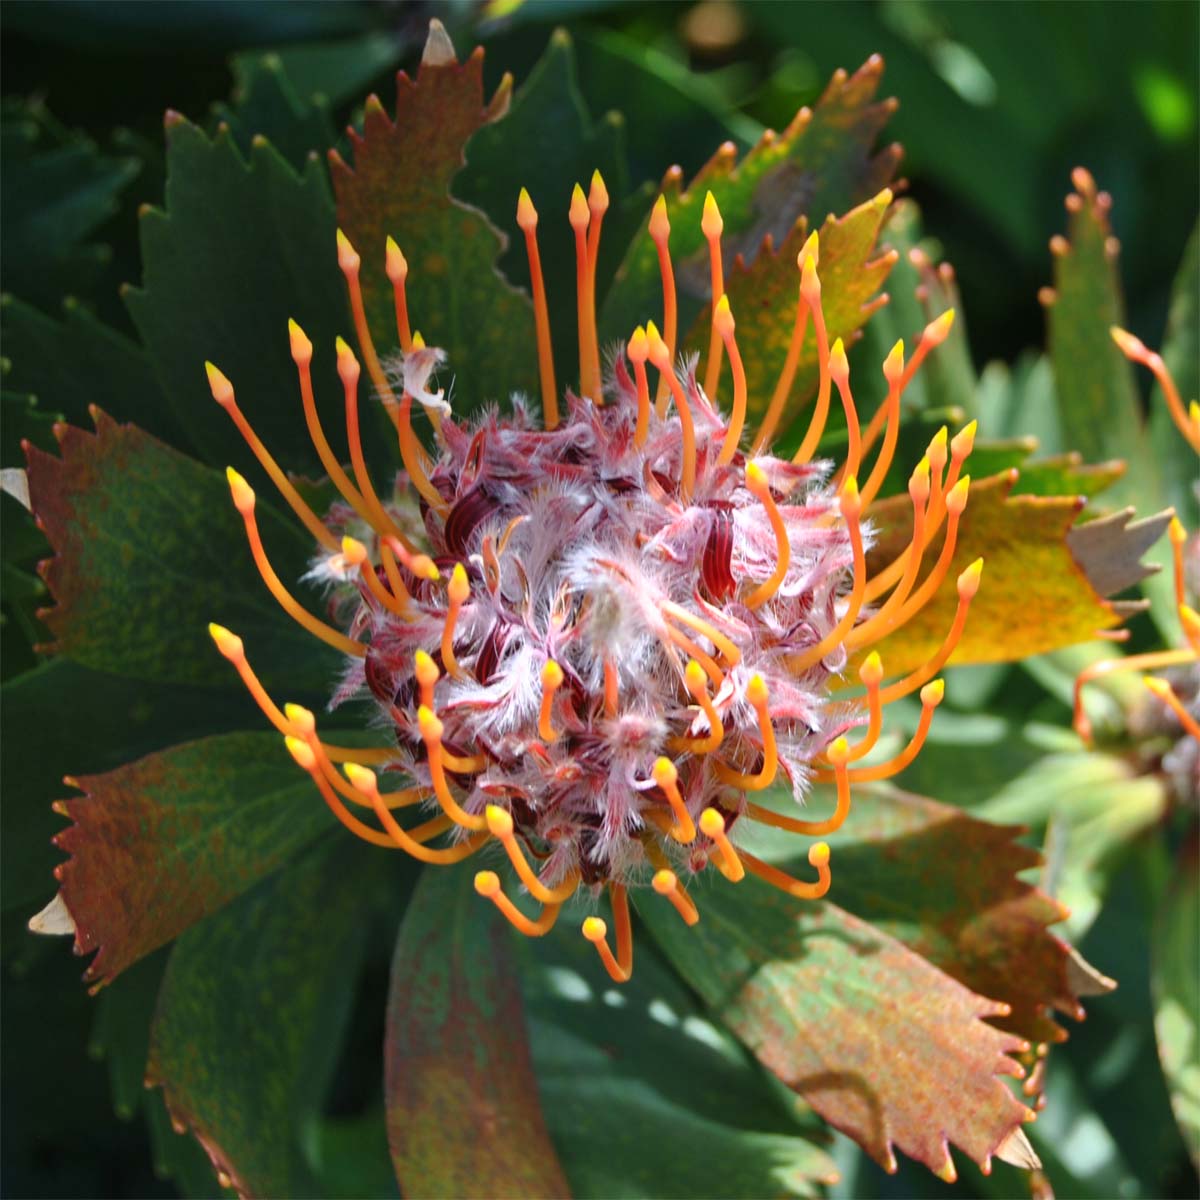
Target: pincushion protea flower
x,y
598,637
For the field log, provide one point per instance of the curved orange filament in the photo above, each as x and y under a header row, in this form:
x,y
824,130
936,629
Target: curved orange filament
x,y
712,226
487,884
783,388
222,391
968,585
1178,537
723,324
712,825
931,697
457,591
349,261
881,621
724,646
302,356
620,968
810,289
243,500
818,856
667,779
932,336
411,456
612,694
756,693
696,686
638,350
1136,351
397,271
758,486
660,232
851,507
839,371
348,372
871,674
431,733
527,219
500,826
660,356
387,556
1167,694
589,354
666,883
597,207
889,411
686,644
1153,661
552,679
838,754
354,553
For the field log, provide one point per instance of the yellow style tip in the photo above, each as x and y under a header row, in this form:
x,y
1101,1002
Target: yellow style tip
x,y
893,365
664,882
839,366
1160,687
956,498
302,718
459,587
300,345
711,222
220,386
348,259
871,672
810,283
428,722
711,823
938,330
597,194
594,929
963,442
242,492
660,225
425,668
723,320
938,449
818,854
1129,345
664,772
756,690
1190,620
1176,532
396,264
499,822
849,500
301,751
756,479
552,675
527,217
353,551
487,883
810,250
638,347
694,675
932,693
418,341
918,481
839,751
229,644
968,581
579,214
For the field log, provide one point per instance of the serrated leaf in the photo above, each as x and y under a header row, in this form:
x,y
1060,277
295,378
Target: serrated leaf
x,y
457,1054
763,297
547,142
883,1045
242,246
973,918
822,163
63,716
79,361
159,844
623,1073
1035,596
251,1003
1175,976
149,550
399,187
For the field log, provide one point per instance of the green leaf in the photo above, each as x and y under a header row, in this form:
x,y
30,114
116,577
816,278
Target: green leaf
x,y
1098,401
457,1055
163,842
822,163
62,716
399,187
1176,981
625,1072
252,1004
764,295
546,143
1035,595
882,1044
58,189
79,361
242,246
972,918
149,550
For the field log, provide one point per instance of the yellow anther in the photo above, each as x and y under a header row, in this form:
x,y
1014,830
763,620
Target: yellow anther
x,y
302,752
354,552
426,672
594,929
242,492
487,883
839,366
302,720
936,332
968,581
660,224
918,481
348,258
956,498
938,450
711,222
723,317
459,587
810,249
638,347
578,214
418,341
527,217
597,195
301,347
963,442
871,672
229,644
222,389
893,365
396,265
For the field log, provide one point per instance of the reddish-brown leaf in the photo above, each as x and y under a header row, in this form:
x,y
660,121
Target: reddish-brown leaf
x,y
464,1118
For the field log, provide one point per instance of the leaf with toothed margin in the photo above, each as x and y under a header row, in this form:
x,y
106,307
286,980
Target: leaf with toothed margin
x,y
882,1044
251,1012
973,918
243,245
1098,403
1035,596
399,187
159,844
546,143
822,163
456,1055
763,296
613,1100
148,550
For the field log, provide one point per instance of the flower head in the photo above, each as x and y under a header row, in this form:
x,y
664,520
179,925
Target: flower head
x,y
600,629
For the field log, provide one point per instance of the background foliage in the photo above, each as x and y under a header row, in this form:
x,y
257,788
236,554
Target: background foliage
x,y
998,104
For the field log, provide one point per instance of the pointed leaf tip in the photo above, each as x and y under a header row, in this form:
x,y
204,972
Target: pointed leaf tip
x,y
439,49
